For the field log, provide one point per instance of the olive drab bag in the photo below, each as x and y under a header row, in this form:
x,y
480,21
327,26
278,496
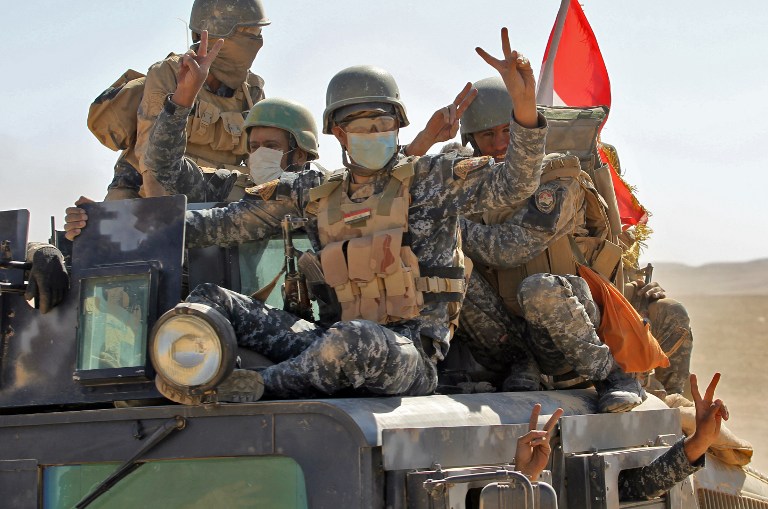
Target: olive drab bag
x,y
621,327
112,115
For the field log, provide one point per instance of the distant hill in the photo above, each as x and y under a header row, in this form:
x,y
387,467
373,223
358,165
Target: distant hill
x,y
737,278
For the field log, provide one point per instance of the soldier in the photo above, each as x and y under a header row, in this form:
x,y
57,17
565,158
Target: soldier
x,y
551,309
392,322
281,134
669,319
215,126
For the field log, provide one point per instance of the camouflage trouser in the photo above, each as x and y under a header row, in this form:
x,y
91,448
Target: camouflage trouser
x,y
670,325
494,336
315,361
562,319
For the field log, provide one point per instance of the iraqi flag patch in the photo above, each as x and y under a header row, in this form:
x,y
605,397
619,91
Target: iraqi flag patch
x,y
357,215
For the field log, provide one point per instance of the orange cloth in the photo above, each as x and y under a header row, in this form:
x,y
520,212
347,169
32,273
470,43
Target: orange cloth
x,y
621,327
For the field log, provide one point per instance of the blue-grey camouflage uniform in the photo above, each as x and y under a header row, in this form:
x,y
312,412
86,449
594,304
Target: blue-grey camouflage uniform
x,y
438,196
659,476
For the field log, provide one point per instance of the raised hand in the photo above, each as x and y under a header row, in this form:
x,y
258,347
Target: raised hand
x,y
710,413
533,448
76,218
444,123
194,71
517,74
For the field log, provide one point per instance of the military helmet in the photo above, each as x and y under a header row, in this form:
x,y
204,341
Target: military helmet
x,y
289,116
358,85
222,17
491,107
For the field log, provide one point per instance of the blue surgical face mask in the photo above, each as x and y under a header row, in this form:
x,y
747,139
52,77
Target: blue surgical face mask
x,y
372,150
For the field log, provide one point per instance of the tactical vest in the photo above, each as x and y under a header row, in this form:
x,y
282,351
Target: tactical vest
x,y
366,257
599,250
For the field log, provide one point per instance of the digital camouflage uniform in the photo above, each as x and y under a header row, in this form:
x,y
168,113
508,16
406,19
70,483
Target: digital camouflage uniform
x,y
659,476
671,326
559,317
399,358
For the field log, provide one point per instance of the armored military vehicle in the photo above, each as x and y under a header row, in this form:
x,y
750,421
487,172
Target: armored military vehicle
x,y
82,424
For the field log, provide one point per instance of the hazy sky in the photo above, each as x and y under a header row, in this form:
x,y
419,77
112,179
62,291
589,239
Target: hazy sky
x,y
689,81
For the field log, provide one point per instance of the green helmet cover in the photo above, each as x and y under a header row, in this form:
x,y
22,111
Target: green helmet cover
x,y
222,17
362,84
289,116
491,107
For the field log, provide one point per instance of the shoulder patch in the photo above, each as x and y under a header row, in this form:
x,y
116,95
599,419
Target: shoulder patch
x,y
464,167
545,200
265,190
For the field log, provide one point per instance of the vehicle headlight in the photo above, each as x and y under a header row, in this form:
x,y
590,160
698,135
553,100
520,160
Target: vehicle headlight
x,y
192,348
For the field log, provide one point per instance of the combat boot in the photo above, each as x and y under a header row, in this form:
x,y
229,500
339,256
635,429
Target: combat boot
x,y
242,386
524,375
619,392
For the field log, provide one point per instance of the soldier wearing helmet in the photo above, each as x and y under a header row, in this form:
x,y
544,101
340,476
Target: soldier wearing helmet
x,y
528,292
386,236
215,137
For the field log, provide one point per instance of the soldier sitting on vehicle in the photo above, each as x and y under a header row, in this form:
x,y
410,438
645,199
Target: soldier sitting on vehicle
x,y
385,343
553,327
668,318
215,125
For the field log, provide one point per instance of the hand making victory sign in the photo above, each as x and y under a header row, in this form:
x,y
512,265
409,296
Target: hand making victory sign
x,y
533,448
710,413
194,71
517,74
444,123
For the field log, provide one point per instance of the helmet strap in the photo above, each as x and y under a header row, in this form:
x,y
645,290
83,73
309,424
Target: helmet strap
x,y
473,144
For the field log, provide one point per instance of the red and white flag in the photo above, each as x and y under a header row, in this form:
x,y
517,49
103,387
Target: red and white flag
x,y
573,73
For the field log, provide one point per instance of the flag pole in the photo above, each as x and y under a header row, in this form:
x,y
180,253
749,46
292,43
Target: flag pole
x,y
545,90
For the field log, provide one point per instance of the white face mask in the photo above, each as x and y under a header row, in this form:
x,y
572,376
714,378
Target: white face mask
x,y
372,150
264,164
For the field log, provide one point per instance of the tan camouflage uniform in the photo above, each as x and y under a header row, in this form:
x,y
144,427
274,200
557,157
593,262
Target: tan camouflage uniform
x,y
160,83
399,358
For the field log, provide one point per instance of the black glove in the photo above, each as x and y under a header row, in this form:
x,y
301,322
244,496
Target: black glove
x,y
48,278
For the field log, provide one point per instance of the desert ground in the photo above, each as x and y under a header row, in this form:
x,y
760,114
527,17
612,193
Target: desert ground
x,y
730,331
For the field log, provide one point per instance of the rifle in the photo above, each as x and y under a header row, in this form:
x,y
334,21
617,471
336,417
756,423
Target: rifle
x,y
295,294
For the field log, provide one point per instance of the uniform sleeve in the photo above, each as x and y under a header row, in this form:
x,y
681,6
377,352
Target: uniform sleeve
x,y
659,476
552,211
256,216
164,156
461,186
160,82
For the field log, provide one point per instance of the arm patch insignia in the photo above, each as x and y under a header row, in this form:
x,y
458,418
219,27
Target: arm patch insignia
x,y
542,212
464,167
265,190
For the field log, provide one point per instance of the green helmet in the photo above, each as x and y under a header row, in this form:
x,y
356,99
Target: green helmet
x,y
491,107
222,17
358,85
289,116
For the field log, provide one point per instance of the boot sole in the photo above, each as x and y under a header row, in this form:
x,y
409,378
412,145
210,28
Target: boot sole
x,y
242,386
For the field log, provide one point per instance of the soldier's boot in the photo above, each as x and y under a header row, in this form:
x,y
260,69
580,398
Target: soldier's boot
x,y
619,392
242,386
524,375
